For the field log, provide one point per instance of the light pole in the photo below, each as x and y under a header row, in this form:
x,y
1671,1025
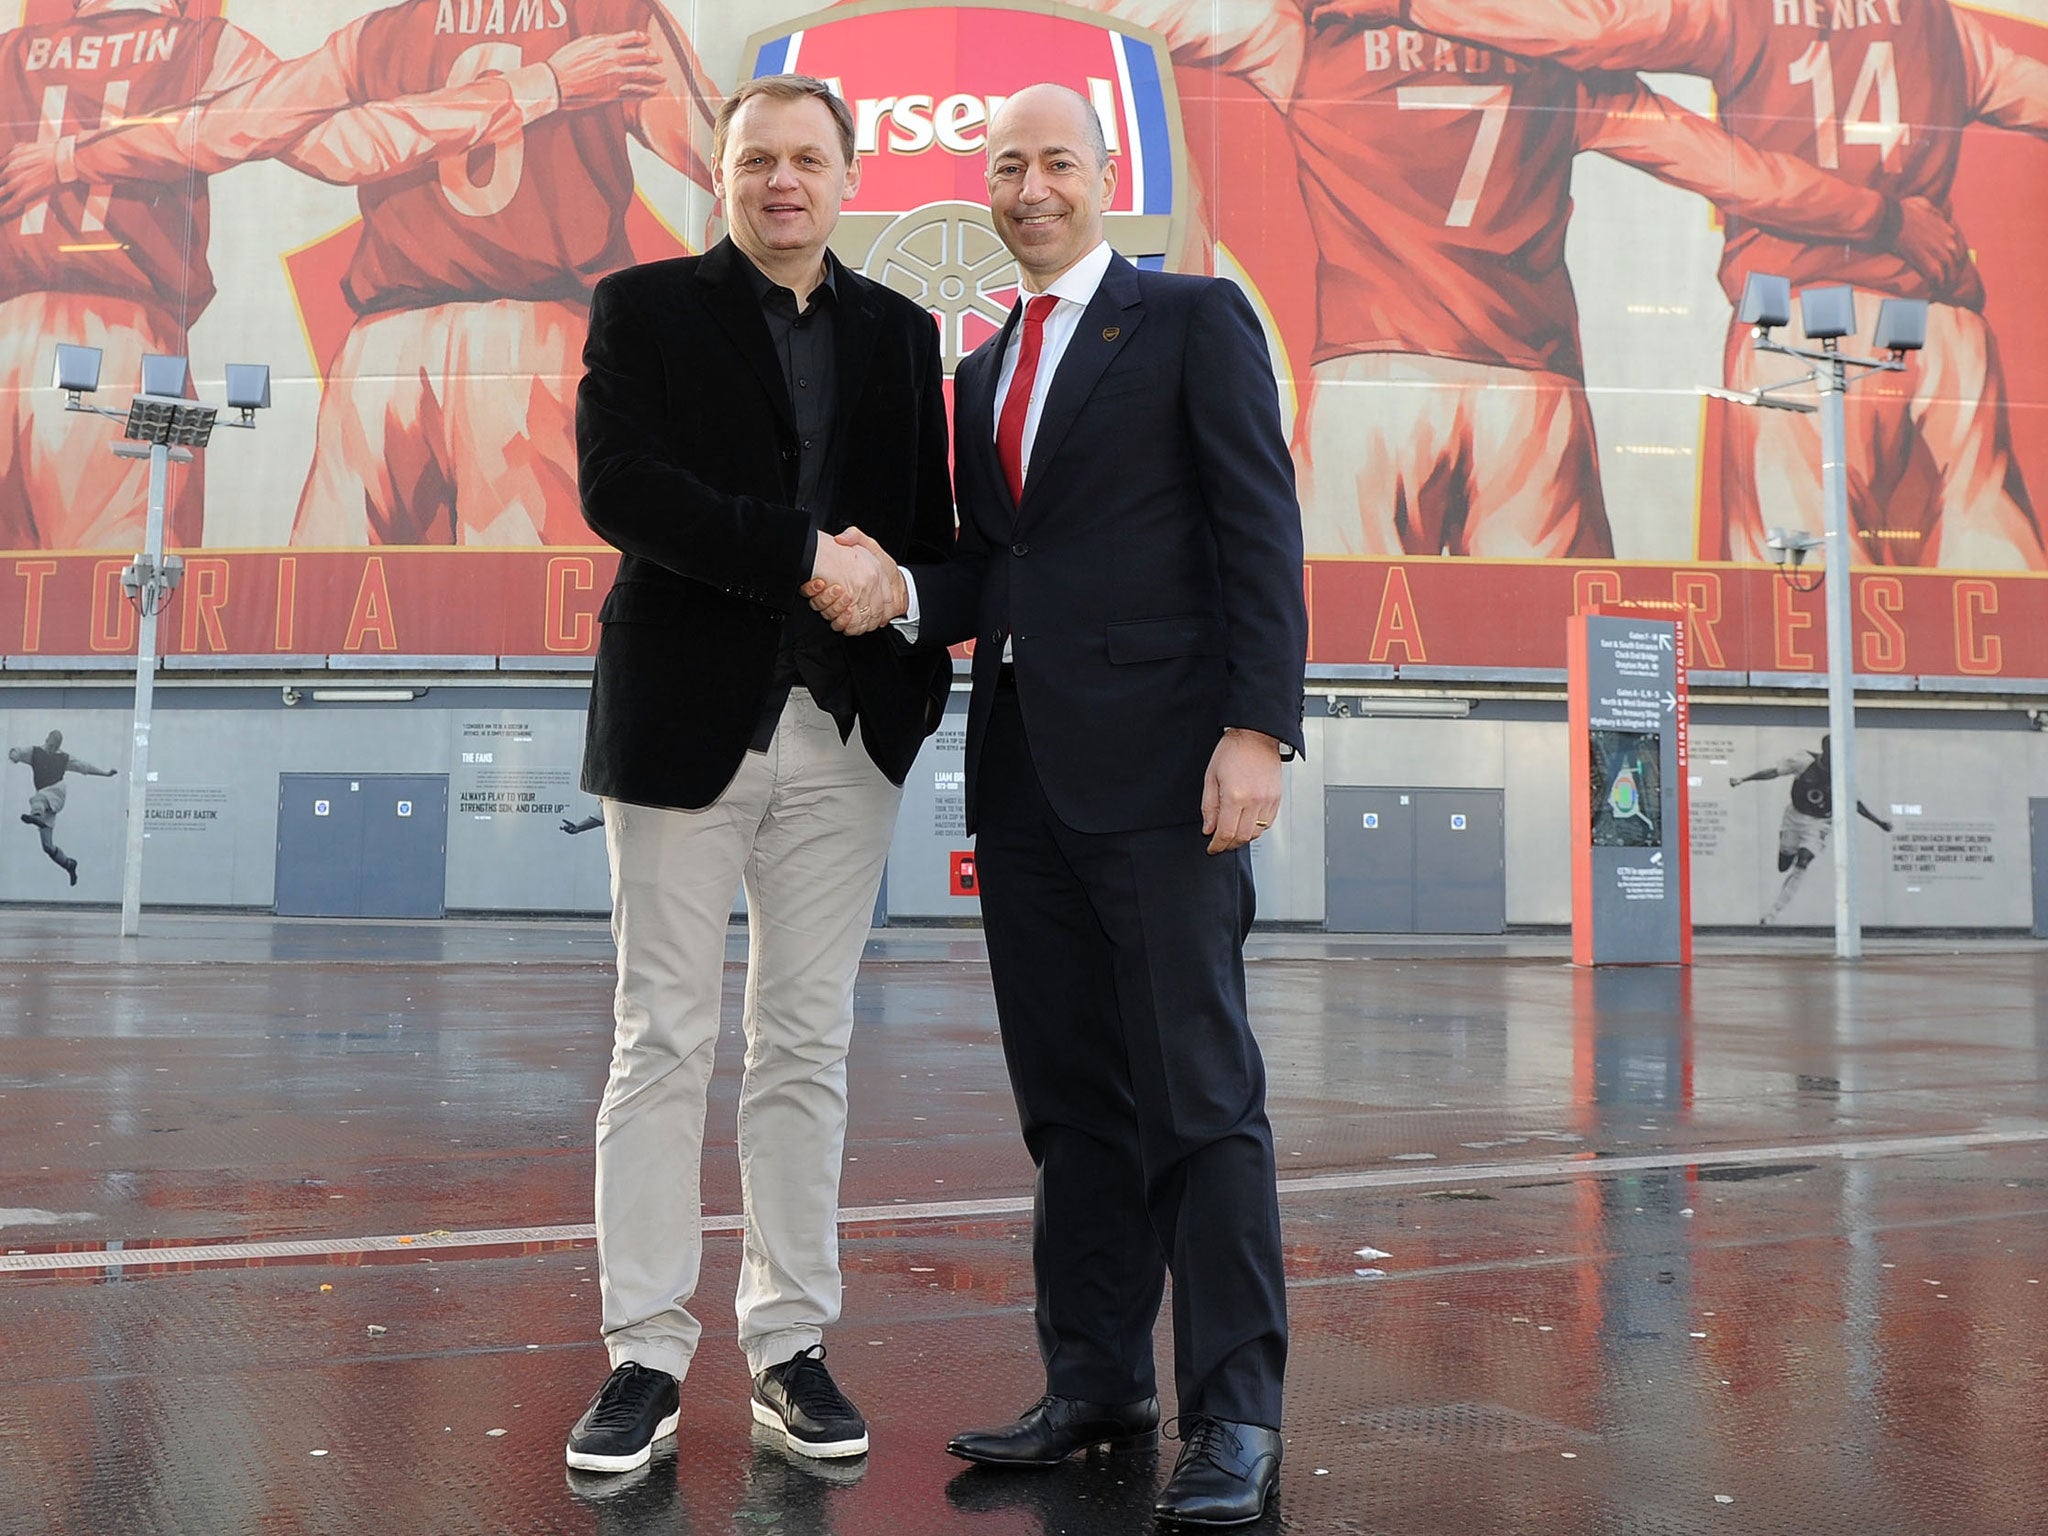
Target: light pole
x,y
162,426
1828,315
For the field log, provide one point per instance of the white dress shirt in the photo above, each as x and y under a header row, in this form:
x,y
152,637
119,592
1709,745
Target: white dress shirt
x,y
1075,290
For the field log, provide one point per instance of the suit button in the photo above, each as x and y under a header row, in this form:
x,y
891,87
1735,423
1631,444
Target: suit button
x,y
789,455
1020,550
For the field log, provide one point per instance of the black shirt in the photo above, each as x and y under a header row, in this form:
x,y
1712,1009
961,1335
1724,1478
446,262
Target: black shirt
x,y
48,767
1813,792
806,345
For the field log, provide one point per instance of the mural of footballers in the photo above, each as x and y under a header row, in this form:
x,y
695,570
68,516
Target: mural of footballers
x,y
1805,828
1448,412
116,268
48,764
1877,92
448,416
1490,332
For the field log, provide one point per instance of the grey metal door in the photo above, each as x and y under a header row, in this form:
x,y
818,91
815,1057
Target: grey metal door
x,y
1368,860
319,845
362,845
2039,818
1414,860
405,844
1461,881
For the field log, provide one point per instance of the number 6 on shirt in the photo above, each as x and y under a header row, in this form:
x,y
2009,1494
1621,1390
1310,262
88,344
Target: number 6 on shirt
x,y
508,159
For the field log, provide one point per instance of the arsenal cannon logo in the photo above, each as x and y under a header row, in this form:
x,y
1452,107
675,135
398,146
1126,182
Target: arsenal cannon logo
x,y
923,81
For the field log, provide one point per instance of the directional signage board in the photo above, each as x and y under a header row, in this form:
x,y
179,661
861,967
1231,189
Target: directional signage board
x,y
1631,853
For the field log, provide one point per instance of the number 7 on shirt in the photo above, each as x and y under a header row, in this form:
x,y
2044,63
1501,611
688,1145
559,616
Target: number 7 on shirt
x,y
1491,102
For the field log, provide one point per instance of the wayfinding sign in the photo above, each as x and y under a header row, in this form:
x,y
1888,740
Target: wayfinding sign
x,y
1631,854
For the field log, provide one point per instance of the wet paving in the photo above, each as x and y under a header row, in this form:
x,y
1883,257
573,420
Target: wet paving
x,y
294,1238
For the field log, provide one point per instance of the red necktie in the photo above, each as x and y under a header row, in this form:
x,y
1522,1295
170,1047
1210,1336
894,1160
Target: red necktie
x,y
1017,403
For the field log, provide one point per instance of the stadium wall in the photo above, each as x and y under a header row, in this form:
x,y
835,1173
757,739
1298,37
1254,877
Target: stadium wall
x,y
1493,247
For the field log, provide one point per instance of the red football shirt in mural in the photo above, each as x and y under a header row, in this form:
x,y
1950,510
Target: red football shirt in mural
x,y
476,186
540,219
1421,156
1437,174
1877,92
145,242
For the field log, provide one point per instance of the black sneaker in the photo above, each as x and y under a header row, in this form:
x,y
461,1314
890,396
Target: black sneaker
x,y
71,869
635,1407
800,1398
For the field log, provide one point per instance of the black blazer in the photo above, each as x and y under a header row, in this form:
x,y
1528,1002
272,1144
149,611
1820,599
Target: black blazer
x,y
687,461
1152,578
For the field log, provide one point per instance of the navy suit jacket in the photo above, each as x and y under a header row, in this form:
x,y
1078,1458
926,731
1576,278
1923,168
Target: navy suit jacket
x,y
1151,579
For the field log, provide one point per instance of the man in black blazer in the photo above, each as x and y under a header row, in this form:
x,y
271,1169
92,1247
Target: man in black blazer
x,y
1129,566
737,410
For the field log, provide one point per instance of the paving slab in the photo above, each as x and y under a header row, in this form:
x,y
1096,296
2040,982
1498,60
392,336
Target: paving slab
x,y
294,1237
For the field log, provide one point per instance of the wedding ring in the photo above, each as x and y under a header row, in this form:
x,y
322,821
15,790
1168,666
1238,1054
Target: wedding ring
x,y
1262,823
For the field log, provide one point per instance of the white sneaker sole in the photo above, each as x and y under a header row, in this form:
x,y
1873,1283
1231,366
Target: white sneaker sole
x,y
583,1461
823,1450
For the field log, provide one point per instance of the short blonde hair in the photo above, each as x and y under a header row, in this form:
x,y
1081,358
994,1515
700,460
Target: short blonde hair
x,y
782,88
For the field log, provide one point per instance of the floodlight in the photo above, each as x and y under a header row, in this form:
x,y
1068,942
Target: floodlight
x,y
173,423
1828,313
248,387
1766,301
163,426
78,370
165,377
1901,326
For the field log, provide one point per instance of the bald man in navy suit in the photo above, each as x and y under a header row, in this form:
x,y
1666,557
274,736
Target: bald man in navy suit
x,y
1129,565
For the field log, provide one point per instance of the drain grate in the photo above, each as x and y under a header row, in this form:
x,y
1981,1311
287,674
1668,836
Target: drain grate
x,y
1483,1427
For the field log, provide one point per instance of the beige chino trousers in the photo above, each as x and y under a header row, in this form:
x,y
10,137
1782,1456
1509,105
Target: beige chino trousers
x,y
806,826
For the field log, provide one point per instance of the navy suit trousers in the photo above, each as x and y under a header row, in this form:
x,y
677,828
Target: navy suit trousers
x,y
1118,966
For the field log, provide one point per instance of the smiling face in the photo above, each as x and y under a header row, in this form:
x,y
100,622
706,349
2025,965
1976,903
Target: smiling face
x,y
1049,180
783,177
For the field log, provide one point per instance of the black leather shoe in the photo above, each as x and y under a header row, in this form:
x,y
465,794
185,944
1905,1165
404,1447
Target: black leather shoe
x,y
1053,1428
1225,1476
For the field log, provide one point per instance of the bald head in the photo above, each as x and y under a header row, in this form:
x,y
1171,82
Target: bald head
x,y
1052,106
1050,180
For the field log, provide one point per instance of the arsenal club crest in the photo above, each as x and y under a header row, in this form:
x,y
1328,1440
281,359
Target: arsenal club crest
x,y
923,82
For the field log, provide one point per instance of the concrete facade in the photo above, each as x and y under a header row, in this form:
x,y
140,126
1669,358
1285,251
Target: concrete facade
x,y
1954,777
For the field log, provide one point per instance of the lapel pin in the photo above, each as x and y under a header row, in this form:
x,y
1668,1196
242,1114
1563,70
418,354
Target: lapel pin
x,y
1111,332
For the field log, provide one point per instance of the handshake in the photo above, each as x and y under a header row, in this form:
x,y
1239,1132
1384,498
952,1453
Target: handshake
x,y
855,584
